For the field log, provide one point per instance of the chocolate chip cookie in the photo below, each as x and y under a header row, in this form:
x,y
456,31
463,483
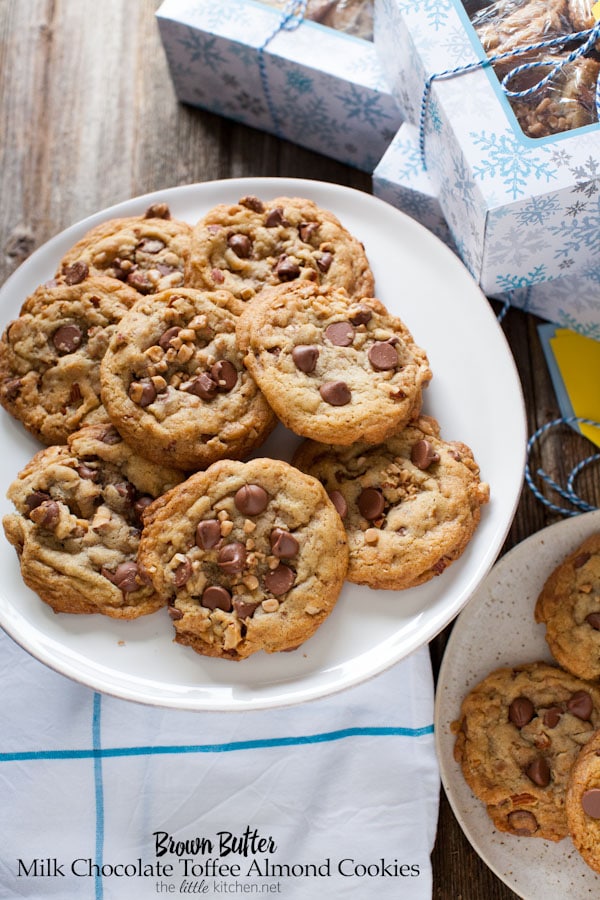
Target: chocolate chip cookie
x,y
174,384
250,556
333,368
245,246
78,521
50,356
409,505
519,733
583,803
149,252
569,606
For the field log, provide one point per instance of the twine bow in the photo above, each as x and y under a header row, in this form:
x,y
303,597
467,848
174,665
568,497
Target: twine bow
x,y
589,36
567,493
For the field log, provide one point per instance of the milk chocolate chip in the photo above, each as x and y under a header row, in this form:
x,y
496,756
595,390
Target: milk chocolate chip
x,y
240,244
324,262
305,358
361,316
125,576
521,711
590,802
422,455
382,356
306,230
594,620
280,580
208,533
142,392
274,218
151,245
232,558
339,502
336,393
522,822
341,334
286,269
245,609
203,386
539,772
182,573
216,597
167,336
552,716
224,373
581,705
67,338
371,503
251,499
76,273
283,544
252,203
45,515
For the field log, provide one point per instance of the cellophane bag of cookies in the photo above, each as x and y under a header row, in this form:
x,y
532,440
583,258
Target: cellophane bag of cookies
x,y
350,16
568,100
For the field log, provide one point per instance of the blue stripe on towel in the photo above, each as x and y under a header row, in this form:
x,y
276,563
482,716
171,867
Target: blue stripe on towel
x,y
98,752
98,791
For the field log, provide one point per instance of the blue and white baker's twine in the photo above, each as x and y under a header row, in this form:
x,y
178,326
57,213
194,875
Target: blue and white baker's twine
x,y
291,17
591,34
567,493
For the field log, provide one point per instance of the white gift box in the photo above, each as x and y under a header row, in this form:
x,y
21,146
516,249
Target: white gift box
x,y
572,301
313,85
524,213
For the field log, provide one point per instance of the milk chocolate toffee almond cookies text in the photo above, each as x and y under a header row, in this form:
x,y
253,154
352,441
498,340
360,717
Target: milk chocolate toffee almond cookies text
x,y
50,356
147,252
78,520
410,505
250,556
255,243
518,736
333,368
174,384
569,605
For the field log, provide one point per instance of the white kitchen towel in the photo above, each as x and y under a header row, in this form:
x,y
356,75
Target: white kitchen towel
x,y
104,799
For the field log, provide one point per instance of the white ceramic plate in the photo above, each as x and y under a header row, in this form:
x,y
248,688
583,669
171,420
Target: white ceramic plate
x,y
497,628
475,394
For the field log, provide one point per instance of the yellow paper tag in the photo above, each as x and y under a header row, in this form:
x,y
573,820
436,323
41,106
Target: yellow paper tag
x,y
578,359
596,11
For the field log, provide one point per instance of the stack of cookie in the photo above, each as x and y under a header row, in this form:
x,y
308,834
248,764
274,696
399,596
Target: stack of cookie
x,y
158,359
528,737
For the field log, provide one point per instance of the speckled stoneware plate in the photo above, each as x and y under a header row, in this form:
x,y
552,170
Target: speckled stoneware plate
x,y
475,394
495,629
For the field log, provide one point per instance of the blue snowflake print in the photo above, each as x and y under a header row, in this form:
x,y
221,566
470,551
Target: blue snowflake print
x,y
587,177
560,157
250,104
566,264
581,233
589,329
435,10
409,161
213,14
576,209
510,282
205,49
516,247
364,107
538,210
508,159
457,46
298,81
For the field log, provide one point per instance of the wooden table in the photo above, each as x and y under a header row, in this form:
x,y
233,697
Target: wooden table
x,y
89,118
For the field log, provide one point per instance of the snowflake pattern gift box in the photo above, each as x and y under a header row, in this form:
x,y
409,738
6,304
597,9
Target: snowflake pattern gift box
x,y
311,84
524,211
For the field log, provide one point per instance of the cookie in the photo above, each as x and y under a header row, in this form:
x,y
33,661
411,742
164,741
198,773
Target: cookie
x,y
50,356
583,803
174,384
409,505
149,252
333,368
518,735
569,606
77,524
502,27
245,246
250,556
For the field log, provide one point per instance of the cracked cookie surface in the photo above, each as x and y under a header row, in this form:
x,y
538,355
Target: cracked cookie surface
x,y
250,556
244,247
333,368
518,736
77,524
50,356
174,384
569,606
409,506
149,252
